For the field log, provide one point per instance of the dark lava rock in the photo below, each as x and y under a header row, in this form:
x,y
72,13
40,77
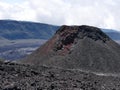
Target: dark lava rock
x,y
31,77
79,47
81,32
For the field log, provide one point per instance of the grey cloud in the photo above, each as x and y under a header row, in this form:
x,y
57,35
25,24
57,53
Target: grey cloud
x,y
101,13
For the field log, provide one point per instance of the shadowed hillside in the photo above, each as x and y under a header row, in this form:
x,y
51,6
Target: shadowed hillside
x,y
13,30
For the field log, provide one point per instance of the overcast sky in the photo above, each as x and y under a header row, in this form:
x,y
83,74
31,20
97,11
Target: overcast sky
x,y
101,13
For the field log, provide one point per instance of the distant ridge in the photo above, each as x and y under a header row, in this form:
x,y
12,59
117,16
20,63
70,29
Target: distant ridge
x,y
79,47
114,34
12,30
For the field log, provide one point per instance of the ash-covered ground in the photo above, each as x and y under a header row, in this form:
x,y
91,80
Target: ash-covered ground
x,y
27,77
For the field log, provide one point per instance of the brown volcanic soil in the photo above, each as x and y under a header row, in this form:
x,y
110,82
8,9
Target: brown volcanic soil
x,y
27,77
79,47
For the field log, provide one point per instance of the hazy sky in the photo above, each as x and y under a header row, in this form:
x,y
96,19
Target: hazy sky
x,y
101,13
